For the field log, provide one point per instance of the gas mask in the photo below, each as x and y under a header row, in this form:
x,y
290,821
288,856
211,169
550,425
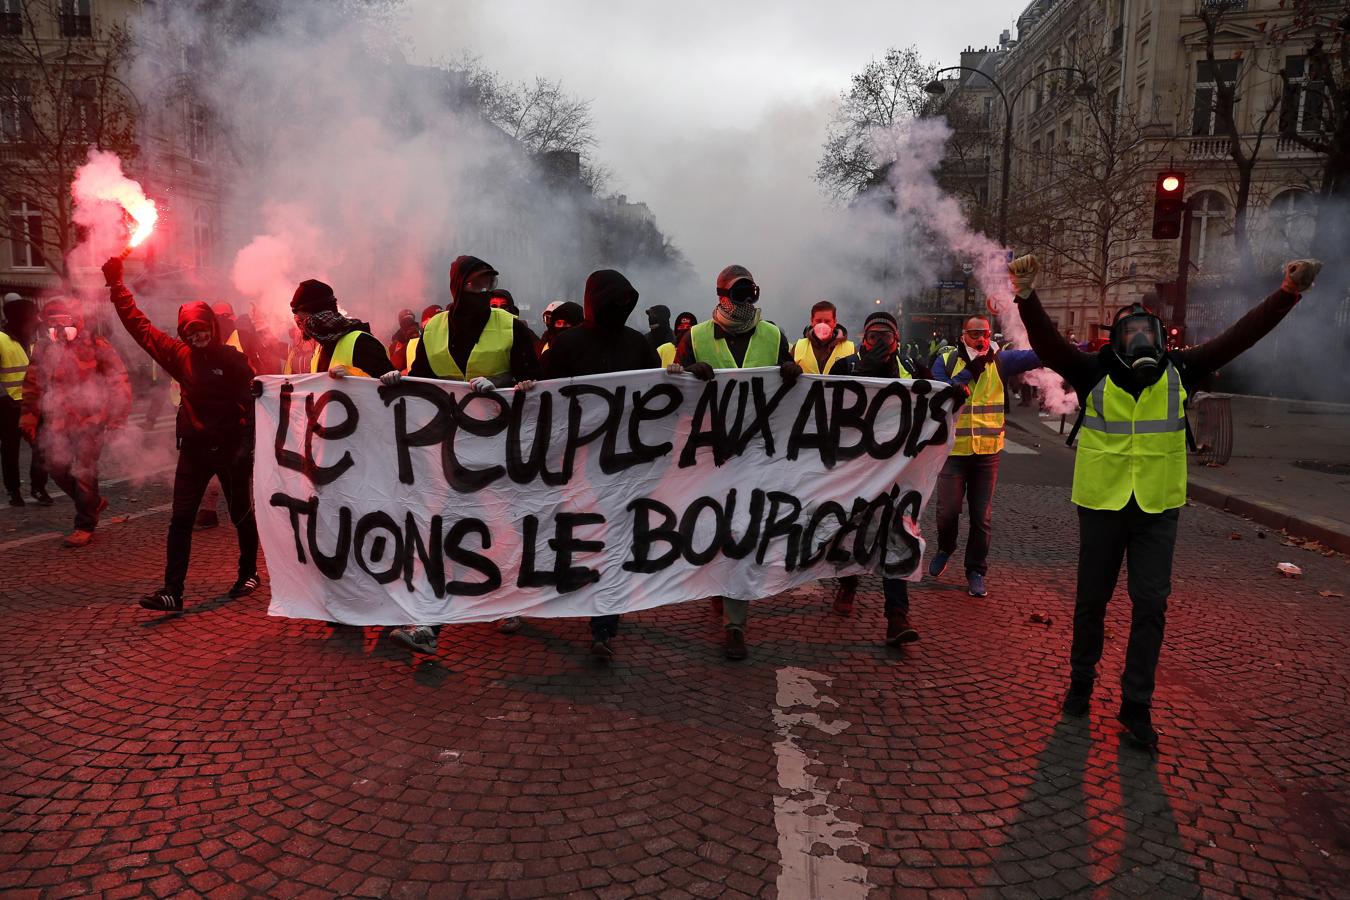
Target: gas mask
x,y
1137,338
879,347
743,291
62,331
976,340
823,331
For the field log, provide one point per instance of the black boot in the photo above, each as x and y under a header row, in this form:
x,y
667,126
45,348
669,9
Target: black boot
x,y
1077,700
898,630
16,499
42,497
1138,722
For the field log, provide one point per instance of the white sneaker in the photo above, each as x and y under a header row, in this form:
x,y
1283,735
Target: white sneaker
x,y
418,638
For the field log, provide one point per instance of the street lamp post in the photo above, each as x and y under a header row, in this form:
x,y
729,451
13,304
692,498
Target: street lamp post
x,y
936,88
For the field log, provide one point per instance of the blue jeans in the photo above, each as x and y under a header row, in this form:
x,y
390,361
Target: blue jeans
x,y
971,478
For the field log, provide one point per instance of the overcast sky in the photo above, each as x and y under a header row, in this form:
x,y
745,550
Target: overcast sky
x,y
711,112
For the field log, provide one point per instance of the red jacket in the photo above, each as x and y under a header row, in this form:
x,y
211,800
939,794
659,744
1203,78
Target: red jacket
x,y
80,385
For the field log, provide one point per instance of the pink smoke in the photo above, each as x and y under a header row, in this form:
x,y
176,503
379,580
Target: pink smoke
x,y
101,181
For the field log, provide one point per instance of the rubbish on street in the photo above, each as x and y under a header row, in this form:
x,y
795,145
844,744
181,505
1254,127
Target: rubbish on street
x,y
1289,570
1330,594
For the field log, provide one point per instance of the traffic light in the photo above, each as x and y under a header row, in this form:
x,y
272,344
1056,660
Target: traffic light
x,y
1169,205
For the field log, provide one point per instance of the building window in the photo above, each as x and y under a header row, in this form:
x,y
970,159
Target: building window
x,y
84,110
11,17
1290,222
1209,118
198,131
203,239
16,112
76,20
988,113
25,236
1210,212
1301,108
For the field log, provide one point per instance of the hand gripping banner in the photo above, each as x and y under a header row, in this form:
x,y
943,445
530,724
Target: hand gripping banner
x,y
426,502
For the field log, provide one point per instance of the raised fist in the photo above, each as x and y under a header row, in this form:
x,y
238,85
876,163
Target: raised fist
x,y
1024,270
112,271
1299,275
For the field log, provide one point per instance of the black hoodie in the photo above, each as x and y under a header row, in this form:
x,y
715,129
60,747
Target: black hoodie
x,y
658,322
602,343
468,314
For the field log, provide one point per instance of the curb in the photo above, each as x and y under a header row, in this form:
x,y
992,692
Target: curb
x,y
1329,532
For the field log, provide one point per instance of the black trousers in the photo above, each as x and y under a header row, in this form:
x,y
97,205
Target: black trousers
x,y
894,590
1145,541
232,464
604,627
973,478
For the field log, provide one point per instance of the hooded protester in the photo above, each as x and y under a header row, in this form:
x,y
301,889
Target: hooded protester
x,y
428,313
15,340
824,344
603,343
345,346
407,331
502,299
75,391
214,430
658,326
971,470
683,322
880,357
563,316
1129,476
476,342
736,337
226,325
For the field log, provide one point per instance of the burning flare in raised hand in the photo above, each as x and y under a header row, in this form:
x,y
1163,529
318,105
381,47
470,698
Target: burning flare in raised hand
x,y
101,179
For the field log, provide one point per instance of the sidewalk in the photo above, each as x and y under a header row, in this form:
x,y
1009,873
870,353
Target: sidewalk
x,y
1290,468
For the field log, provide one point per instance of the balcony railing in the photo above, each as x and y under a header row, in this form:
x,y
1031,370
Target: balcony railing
x,y
1289,148
1235,5
1209,147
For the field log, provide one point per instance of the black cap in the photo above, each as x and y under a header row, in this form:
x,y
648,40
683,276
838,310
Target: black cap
x,y
313,296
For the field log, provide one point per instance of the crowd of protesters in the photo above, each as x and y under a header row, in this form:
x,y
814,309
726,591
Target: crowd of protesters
x,y
64,390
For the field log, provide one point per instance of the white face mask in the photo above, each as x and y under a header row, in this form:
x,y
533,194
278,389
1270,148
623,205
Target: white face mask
x,y
199,339
823,331
67,333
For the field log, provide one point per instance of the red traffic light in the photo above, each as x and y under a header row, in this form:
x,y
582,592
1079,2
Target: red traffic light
x,y
1171,183
1168,205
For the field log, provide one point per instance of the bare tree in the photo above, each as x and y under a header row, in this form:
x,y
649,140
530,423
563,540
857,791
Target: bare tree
x,y
60,95
886,91
540,115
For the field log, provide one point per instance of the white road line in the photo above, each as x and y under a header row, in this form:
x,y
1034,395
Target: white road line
x,y
53,535
804,817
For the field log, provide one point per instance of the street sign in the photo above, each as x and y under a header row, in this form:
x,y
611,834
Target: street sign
x,y
952,285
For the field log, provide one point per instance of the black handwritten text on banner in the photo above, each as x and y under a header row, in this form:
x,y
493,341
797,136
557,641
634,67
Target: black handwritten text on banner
x,y
426,502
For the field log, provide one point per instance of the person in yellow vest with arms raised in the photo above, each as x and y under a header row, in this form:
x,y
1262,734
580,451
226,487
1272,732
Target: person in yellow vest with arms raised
x,y
823,346
1129,476
16,337
737,337
480,343
683,322
971,471
344,345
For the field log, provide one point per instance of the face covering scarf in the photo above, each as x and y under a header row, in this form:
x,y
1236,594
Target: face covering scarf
x,y
328,325
736,318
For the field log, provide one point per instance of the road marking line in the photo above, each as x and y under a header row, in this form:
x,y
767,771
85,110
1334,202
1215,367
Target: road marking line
x,y
114,520
805,819
1011,446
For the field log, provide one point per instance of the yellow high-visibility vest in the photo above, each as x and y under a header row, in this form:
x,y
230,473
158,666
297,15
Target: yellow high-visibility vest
x,y
13,366
410,353
805,356
667,353
490,357
980,428
1133,447
233,341
763,349
342,355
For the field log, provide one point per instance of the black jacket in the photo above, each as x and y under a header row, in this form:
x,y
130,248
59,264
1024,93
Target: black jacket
x,y
602,343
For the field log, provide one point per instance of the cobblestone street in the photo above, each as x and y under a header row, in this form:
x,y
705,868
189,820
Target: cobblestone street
x,y
224,752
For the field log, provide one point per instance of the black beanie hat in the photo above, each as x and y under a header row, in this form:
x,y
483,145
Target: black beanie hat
x,y
881,316
313,296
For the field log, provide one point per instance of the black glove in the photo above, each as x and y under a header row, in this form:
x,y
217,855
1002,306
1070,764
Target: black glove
x,y
112,271
790,370
700,370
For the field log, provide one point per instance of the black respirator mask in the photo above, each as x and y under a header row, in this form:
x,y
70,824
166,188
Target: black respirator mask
x,y
1138,338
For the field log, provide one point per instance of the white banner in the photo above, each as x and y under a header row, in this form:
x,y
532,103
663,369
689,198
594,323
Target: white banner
x,y
428,503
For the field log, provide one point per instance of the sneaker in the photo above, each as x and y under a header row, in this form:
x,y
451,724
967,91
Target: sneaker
x,y
417,638
207,519
78,538
42,497
939,563
16,499
843,600
735,644
715,604
162,600
509,625
602,650
245,585
1138,722
1077,700
898,630
977,588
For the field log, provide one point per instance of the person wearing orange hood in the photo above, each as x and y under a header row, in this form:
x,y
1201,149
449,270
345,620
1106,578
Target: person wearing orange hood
x,y
76,389
215,432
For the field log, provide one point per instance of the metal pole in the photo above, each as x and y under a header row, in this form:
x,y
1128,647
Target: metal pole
x,y
1183,267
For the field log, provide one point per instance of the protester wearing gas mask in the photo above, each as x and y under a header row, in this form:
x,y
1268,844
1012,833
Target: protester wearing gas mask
x,y
683,322
880,357
824,344
75,391
480,343
1129,480
737,337
214,429
345,345
971,471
